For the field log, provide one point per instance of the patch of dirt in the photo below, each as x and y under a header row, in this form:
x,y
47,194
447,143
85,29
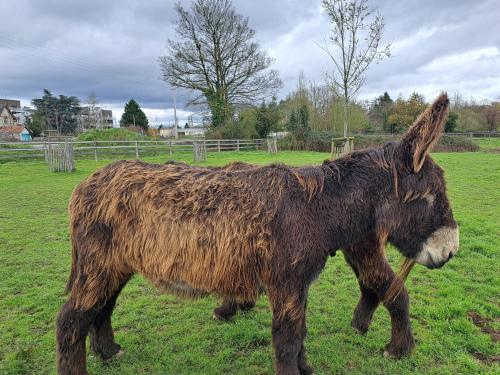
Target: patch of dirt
x,y
493,150
486,359
482,323
258,342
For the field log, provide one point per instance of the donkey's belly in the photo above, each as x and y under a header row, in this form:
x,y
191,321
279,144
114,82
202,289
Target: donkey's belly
x,y
180,288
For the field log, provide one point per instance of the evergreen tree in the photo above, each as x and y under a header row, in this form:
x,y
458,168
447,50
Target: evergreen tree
x,y
379,111
57,113
262,123
134,116
298,123
451,124
35,124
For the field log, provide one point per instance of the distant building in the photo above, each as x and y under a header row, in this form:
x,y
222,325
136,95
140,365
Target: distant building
x,y
15,133
182,132
12,104
7,118
94,118
20,113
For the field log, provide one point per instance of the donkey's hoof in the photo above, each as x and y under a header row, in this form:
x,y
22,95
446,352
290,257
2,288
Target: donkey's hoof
x,y
246,306
221,318
306,370
115,356
223,315
396,353
359,328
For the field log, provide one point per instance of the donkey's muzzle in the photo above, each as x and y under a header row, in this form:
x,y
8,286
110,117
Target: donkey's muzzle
x,y
439,247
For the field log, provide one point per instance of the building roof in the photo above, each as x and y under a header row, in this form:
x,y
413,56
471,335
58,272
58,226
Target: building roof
x,y
10,103
15,129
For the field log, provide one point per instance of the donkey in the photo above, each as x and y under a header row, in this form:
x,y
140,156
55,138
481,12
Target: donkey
x,y
269,227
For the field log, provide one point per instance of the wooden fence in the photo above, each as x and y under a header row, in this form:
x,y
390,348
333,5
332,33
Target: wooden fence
x,y
119,149
59,157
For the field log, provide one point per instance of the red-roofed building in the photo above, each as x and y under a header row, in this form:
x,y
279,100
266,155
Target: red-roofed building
x,y
15,133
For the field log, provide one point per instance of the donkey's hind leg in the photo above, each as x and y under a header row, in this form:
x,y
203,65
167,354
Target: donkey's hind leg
x,y
102,341
75,321
229,307
72,328
94,285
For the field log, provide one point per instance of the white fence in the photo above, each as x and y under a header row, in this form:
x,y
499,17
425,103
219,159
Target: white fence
x,y
111,149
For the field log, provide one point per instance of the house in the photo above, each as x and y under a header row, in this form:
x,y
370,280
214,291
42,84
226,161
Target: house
x,y
15,133
7,118
94,117
12,104
182,132
20,113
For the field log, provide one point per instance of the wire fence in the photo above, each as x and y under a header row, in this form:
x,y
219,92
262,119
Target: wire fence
x,y
112,149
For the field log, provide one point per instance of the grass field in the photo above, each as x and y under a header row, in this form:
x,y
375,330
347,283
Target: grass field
x,y
162,334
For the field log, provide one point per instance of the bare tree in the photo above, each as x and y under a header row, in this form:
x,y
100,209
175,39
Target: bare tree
x,y
215,56
93,118
353,45
492,114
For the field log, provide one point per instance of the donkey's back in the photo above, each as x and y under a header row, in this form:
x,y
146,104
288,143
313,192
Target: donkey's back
x,y
189,230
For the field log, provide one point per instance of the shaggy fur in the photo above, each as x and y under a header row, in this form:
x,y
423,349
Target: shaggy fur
x,y
233,231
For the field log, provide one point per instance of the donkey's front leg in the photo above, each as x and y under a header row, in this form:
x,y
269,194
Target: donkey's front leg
x,y
363,313
357,256
289,330
375,276
402,341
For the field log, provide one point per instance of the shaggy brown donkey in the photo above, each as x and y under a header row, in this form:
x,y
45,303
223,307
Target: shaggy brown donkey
x,y
267,227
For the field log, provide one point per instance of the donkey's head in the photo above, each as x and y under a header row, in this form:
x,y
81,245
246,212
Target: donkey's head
x,y
419,213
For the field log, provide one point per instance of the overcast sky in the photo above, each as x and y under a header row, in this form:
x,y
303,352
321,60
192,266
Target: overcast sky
x,y
111,48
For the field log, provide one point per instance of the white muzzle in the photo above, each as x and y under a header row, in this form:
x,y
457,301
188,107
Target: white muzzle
x,y
439,247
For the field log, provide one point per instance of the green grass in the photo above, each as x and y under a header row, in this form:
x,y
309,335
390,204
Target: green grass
x,y
162,334
488,143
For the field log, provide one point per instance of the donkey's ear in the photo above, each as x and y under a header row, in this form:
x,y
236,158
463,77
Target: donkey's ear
x,y
423,135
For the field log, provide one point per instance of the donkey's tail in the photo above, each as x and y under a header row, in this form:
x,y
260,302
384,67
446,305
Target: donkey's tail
x,y
74,262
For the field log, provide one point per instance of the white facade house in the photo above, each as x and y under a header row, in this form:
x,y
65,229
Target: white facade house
x,y
182,132
94,117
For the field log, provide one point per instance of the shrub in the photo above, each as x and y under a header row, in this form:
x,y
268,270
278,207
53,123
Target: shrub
x,y
115,134
321,142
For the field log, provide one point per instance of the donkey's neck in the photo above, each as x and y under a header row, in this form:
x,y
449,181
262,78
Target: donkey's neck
x,y
352,197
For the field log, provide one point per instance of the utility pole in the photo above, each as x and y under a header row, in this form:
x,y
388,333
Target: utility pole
x,y
175,115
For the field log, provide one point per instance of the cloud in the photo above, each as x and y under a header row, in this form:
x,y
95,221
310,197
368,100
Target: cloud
x,y
111,48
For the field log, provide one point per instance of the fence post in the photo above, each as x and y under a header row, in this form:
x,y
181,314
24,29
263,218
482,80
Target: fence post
x,y
136,150
238,145
257,145
60,157
218,145
95,150
170,147
272,145
199,151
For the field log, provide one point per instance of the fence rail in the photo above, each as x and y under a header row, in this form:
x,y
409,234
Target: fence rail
x,y
107,149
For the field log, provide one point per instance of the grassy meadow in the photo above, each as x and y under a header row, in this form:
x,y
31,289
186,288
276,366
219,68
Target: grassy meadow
x,y
162,334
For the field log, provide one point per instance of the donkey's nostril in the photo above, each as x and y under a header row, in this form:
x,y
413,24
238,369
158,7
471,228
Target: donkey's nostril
x,y
450,255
